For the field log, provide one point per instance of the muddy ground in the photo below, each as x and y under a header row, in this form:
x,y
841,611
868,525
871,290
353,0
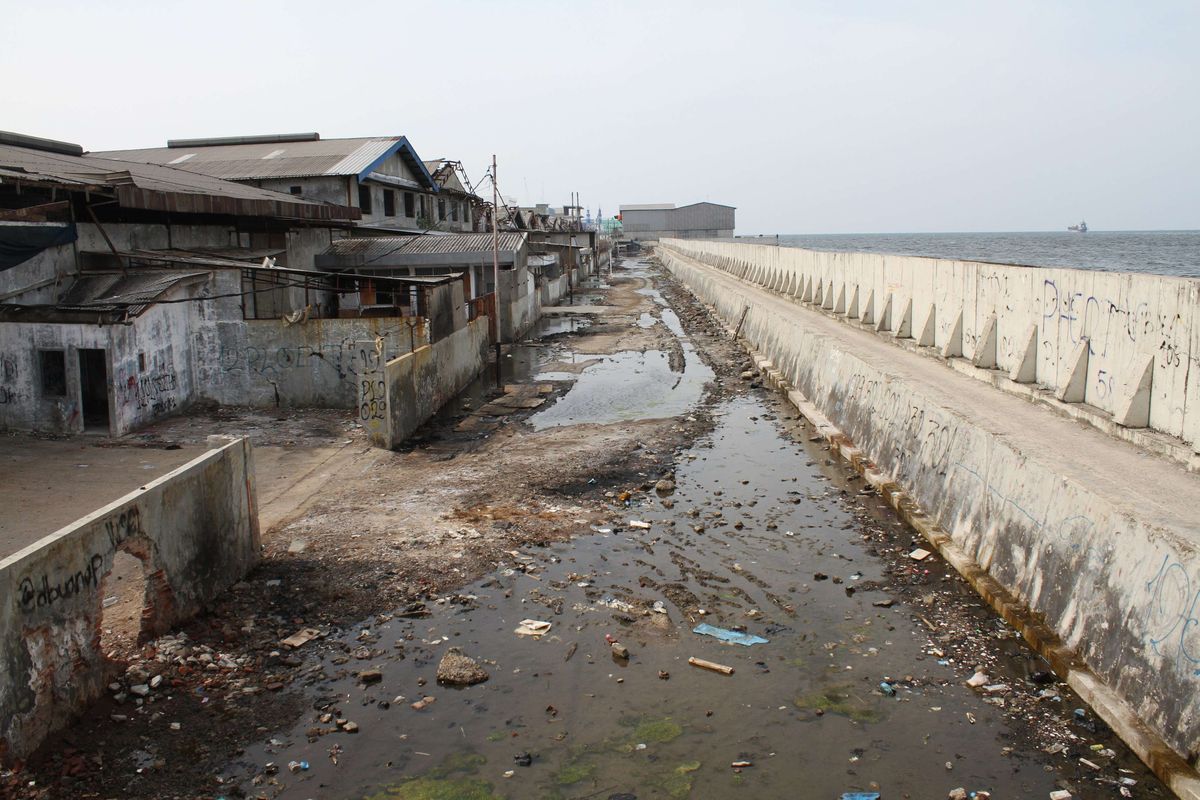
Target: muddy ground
x,y
649,415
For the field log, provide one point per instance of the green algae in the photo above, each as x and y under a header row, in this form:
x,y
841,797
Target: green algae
x,y
842,700
467,763
656,731
438,789
678,783
574,772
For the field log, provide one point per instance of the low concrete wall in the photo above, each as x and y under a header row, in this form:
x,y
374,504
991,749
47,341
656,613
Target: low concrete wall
x,y
195,530
415,385
1128,344
316,363
1114,574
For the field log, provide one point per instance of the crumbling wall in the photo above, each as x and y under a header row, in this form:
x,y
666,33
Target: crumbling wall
x,y
398,398
195,530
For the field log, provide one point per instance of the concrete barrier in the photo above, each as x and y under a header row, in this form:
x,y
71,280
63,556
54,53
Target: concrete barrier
x,y
414,386
195,532
1086,543
1127,344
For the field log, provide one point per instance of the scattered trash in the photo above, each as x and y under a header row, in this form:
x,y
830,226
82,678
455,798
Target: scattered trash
x,y
659,607
1061,794
887,689
457,669
860,795
977,680
532,627
663,675
297,766
373,675
523,759
732,637
637,523
957,794
301,637
919,554
970,718
710,665
620,651
742,764
884,603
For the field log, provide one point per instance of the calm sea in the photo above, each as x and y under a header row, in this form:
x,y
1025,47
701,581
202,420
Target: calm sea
x,y
1160,252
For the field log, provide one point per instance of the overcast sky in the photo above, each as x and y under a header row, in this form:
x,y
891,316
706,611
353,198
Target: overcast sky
x,y
810,117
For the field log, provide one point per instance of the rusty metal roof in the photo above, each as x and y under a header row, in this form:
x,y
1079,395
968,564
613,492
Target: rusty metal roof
x,y
299,159
373,247
132,291
159,188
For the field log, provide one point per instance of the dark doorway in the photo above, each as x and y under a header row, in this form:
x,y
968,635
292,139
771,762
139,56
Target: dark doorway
x,y
93,388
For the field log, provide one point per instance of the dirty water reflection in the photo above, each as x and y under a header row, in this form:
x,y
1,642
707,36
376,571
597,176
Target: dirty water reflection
x,y
751,520
626,386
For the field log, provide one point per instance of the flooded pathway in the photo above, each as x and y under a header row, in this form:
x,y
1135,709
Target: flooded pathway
x,y
861,684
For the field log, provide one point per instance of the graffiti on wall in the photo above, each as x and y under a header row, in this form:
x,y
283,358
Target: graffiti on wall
x,y
156,391
8,379
45,590
1171,619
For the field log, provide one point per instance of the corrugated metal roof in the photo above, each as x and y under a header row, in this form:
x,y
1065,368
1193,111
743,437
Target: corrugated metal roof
x,y
647,207
459,243
157,187
304,159
114,291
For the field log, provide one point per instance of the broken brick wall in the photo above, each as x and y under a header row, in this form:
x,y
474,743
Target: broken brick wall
x,y
195,532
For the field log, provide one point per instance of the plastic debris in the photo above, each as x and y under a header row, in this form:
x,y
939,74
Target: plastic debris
x,y
637,523
1061,794
920,554
710,665
732,637
860,795
532,627
977,680
887,689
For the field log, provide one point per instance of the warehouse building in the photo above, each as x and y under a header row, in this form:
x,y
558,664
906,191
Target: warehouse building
x,y
663,220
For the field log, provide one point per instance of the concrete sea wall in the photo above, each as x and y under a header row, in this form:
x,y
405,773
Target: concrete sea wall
x,y
400,396
1091,542
1126,344
195,532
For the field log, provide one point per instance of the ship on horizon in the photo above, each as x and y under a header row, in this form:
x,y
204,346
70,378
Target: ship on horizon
x,y
1080,228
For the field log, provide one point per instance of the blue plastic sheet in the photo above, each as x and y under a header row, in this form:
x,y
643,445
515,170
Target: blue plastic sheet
x,y
860,796
733,637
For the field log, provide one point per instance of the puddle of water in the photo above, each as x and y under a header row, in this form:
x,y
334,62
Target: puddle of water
x,y
625,386
551,326
805,708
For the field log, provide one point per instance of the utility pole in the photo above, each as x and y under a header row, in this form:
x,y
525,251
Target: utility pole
x,y
496,265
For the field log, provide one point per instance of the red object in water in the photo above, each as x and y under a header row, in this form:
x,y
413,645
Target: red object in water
x,y
608,637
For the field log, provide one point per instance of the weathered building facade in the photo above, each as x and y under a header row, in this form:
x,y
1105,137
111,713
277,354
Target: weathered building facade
x,y
383,176
129,291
